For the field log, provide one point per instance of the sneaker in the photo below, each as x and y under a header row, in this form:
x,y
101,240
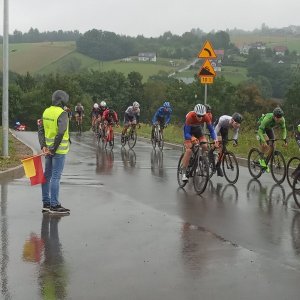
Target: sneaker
x,y
184,177
46,208
58,209
219,172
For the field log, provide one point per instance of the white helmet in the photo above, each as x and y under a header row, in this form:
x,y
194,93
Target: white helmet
x,y
136,104
103,103
96,105
200,110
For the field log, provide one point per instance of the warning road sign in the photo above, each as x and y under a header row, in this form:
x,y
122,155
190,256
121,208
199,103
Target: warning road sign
x,y
207,69
207,51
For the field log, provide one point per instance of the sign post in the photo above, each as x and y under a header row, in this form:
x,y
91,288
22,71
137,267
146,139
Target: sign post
x,y
207,72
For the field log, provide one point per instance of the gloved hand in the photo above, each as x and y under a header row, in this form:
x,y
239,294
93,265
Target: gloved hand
x,y
235,143
194,140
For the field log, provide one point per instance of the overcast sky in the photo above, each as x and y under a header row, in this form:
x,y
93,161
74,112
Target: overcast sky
x,y
151,17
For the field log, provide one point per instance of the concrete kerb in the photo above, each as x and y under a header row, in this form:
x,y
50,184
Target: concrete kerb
x,y
15,172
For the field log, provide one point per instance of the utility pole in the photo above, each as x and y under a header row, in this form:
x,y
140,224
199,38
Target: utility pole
x,y
5,82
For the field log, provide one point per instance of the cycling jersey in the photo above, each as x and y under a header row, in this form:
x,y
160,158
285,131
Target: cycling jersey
x,y
267,124
95,112
110,119
223,125
192,123
162,113
79,110
132,112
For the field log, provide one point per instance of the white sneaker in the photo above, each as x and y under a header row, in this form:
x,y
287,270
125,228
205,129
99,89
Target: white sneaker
x,y
184,178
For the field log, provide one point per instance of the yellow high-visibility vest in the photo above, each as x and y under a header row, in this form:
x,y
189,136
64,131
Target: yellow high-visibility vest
x,y
50,117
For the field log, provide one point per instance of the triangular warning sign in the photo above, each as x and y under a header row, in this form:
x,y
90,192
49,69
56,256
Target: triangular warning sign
x,y
207,69
207,51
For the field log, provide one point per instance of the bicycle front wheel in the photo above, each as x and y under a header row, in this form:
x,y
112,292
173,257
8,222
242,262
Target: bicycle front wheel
x,y
278,167
132,139
230,167
153,139
201,175
296,189
109,142
253,163
160,141
181,183
290,168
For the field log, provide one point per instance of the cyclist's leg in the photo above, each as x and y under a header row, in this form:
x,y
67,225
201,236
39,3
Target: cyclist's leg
x,y
152,131
186,158
126,124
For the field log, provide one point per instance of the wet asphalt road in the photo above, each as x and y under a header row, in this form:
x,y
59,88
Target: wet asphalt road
x,y
132,234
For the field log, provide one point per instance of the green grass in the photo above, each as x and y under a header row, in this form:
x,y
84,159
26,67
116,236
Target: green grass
x,y
31,57
234,75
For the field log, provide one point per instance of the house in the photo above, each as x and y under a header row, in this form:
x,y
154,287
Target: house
x,y
147,56
280,50
245,49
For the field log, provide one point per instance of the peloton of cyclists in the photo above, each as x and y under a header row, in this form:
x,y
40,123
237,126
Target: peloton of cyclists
x,y
266,123
132,116
162,117
194,133
222,126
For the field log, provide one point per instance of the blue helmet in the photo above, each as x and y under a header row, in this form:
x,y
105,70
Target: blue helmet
x,y
167,104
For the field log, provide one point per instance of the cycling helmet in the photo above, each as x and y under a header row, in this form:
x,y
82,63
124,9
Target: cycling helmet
x,y
96,105
60,98
18,123
136,104
208,107
103,104
278,112
166,104
200,110
237,118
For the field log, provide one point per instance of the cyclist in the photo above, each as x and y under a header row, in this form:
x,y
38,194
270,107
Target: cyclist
x,y
194,133
95,114
222,126
266,124
102,109
132,116
79,112
162,117
69,112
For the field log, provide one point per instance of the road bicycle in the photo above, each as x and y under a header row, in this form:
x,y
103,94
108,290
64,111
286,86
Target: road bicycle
x,y
229,162
291,165
275,159
79,125
198,169
108,136
130,137
296,189
158,137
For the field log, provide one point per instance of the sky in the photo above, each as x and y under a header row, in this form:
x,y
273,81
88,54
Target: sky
x,y
151,17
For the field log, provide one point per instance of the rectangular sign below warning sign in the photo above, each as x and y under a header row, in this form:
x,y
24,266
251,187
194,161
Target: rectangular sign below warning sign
x,y
207,80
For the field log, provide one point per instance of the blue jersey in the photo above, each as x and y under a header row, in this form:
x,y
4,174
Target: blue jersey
x,y
162,112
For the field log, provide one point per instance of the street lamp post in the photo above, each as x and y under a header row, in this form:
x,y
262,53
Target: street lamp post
x,y
5,82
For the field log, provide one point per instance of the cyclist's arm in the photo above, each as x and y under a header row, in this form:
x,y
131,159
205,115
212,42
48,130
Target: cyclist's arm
x,y
154,119
235,134
168,118
187,132
283,129
137,116
211,131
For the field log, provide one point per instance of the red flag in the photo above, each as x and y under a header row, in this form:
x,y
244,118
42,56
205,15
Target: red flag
x,y
39,173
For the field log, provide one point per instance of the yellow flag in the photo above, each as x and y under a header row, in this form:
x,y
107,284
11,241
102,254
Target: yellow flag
x,y
29,167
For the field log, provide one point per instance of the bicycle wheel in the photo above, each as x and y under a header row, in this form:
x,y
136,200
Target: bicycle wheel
x,y
296,189
230,167
201,175
132,138
253,163
154,138
160,141
290,168
110,141
179,172
278,167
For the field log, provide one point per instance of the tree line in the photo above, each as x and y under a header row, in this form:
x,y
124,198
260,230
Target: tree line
x,y
30,95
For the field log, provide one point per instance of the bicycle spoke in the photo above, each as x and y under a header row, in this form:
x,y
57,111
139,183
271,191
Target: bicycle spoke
x,y
230,167
253,163
278,167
